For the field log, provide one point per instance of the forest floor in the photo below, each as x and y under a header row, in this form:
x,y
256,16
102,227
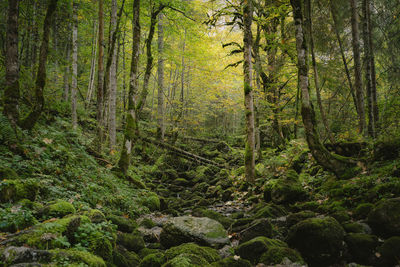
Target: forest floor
x,y
63,205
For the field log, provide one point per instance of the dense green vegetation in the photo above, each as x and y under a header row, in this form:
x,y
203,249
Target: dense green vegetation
x,y
125,140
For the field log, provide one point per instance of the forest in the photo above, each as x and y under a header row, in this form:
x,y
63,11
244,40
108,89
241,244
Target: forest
x,y
177,133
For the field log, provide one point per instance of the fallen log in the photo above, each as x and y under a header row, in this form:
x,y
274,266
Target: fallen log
x,y
182,153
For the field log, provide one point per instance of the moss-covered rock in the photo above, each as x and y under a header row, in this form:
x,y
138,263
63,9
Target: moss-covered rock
x,y
319,240
124,258
184,229
14,255
147,223
277,254
341,216
225,221
123,224
269,211
131,241
259,227
362,247
390,252
253,249
96,216
232,262
147,251
59,208
151,201
353,227
362,210
186,260
14,190
153,260
76,256
385,217
294,218
207,253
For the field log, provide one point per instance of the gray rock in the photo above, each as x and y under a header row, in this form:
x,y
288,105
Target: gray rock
x,y
25,255
201,230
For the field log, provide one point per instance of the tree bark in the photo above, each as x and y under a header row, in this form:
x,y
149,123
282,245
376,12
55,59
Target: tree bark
x,y
74,82
66,73
160,71
113,80
92,65
11,92
339,165
249,157
100,78
149,65
40,83
131,126
357,66
316,76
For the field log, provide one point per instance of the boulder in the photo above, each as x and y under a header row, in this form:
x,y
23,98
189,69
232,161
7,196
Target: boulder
x,y
319,240
207,253
153,260
253,249
184,229
233,261
131,241
259,227
390,251
16,255
277,255
384,219
123,224
362,247
124,258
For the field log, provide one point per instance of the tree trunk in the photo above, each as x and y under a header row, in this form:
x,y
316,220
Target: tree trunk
x,y
316,77
131,125
357,66
346,68
92,65
11,92
339,165
149,64
182,77
160,71
249,157
100,78
74,82
40,83
113,80
66,73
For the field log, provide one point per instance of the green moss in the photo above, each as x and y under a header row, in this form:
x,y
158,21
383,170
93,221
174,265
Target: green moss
x,y
147,223
277,254
7,173
362,210
361,247
270,211
353,227
125,258
77,256
385,217
232,262
319,240
96,216
186,260
123,224
153,260
253,249
14,190
60,208
132,242
147,251
247,89
390,252
341,216
209,254
294,218
151,201
102,247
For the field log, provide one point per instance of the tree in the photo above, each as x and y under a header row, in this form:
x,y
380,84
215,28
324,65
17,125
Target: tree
x,y
160,87
74,82
11,92
113,79
249,157
40,83
100,78
131,124
341,166
357,66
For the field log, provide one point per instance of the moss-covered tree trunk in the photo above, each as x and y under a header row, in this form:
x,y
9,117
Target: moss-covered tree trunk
x,y
341,166
11,92
40,83
74,82
249,156
131,125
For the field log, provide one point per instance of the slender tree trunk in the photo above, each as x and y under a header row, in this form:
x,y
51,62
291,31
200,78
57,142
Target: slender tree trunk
x,y
249,157
160,71
346,68
100,78
182,77
66,73
339,165
55,77
35,37
316,77
123,80
11,92
258,69
149,64
92,65
40,83
357,66
113,80
131,127
74,83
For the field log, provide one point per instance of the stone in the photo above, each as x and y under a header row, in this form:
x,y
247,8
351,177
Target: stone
x,y
362,247
259,227
184,229
253,249
384,219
